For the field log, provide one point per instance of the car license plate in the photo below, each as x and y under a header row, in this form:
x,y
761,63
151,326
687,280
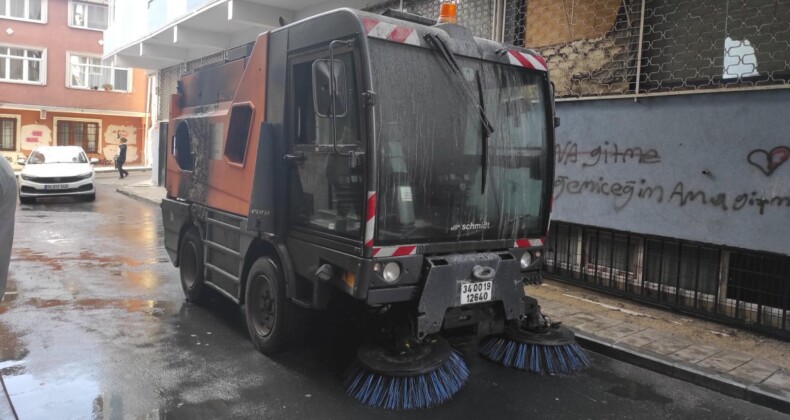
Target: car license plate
x,y
56,187
476,292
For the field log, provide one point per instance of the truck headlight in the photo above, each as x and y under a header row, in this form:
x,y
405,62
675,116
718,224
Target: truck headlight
x,y
391,272
526,260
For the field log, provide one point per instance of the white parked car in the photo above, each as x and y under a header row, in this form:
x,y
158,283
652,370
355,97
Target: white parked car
x,y
57,171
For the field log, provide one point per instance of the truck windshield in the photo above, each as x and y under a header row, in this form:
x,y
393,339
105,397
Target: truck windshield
x,y
431,149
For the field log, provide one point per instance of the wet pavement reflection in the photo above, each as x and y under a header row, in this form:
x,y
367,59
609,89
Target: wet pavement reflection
x,y
95,326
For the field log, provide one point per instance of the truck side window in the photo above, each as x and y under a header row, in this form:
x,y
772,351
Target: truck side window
x,y
238,133
313,129
182,147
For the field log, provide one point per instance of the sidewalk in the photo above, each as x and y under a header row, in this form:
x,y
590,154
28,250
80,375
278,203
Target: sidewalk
x,y
725,359
144,191
734,362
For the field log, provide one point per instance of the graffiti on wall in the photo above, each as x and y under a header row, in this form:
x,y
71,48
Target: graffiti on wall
x,y
34,135
678,194
112,139
606,154
768,162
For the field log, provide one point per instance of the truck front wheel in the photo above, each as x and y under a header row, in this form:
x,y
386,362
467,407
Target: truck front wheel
x,y
273,320
190,266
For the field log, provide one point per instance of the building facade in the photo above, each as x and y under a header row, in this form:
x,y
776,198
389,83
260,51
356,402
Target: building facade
x,y
55,88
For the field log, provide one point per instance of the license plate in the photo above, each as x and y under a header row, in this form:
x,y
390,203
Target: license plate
x,y
56,187
476,292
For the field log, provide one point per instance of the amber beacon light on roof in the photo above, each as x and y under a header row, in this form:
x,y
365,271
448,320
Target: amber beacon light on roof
x,y
448,11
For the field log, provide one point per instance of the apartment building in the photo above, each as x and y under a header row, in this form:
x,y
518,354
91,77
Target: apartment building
x,y
55,88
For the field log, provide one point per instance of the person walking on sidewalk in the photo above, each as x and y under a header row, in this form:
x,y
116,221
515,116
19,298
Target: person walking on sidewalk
x,y
122,158
7,210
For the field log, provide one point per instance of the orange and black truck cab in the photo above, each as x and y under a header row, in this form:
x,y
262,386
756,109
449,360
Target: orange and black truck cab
x,y
385,158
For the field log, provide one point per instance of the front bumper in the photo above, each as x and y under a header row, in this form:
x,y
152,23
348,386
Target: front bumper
x,y
34,188
444,280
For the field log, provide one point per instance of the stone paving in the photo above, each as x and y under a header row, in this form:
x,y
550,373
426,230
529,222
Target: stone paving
x,y
726,370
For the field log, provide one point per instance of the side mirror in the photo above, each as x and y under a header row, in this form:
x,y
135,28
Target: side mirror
x,y
322,88
94,161
21,161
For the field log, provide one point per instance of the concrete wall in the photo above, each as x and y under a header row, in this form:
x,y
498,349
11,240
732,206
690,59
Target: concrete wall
x,y
707,167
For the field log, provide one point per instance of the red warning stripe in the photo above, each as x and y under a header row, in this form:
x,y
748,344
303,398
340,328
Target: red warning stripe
x,y
370,219
394,251
526,60
527,243
390,32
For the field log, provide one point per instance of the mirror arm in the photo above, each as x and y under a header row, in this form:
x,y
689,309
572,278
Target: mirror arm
x,y
333,89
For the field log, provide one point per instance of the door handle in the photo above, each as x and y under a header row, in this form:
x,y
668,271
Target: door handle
x,y
296,156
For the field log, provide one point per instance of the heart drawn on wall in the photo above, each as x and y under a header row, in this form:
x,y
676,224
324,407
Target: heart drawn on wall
x,y
769,161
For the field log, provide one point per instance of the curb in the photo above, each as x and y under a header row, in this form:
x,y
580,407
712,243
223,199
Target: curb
x,y
684,372
138,197
5,401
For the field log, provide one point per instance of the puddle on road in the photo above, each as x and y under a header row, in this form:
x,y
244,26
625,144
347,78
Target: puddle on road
x,y
638,392
36,397
149,307
26,254
85,259
145,279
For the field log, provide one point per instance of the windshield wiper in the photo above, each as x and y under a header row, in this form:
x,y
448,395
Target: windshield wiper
x,y
486,135
438,43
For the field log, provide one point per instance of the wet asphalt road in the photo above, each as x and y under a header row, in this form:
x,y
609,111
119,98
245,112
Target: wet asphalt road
x,y
98,329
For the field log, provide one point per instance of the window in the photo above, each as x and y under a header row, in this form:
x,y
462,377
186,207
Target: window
x,y
79,133
8,134
311,128
94,73
89,14
182,147
21,64
34,10
326,187
238,133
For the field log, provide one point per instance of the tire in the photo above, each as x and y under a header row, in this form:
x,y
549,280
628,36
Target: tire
x,y
91,197
27,200
190,266
274,321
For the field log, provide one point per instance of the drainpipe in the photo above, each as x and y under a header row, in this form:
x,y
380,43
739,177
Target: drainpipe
x,y
148,142
498,25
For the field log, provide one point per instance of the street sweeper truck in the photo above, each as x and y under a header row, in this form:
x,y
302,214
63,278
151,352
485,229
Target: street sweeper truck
x,y
384,161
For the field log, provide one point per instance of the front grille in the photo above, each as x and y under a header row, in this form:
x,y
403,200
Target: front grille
x,y
57,180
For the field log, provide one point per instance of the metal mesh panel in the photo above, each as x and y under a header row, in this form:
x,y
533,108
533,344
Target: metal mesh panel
x,y
168,79
592,47
477,15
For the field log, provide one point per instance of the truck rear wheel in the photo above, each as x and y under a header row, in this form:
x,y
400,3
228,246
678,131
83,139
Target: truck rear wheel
x,y
273,320
190,259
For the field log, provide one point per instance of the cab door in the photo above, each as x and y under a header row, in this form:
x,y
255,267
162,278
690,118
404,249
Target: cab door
x,y
325,172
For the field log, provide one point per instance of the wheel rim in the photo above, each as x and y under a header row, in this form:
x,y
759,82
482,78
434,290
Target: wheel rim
x,y
189,267
264,311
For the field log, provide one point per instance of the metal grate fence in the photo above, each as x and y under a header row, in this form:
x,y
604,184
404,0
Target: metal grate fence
x,y
599,48
741,287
